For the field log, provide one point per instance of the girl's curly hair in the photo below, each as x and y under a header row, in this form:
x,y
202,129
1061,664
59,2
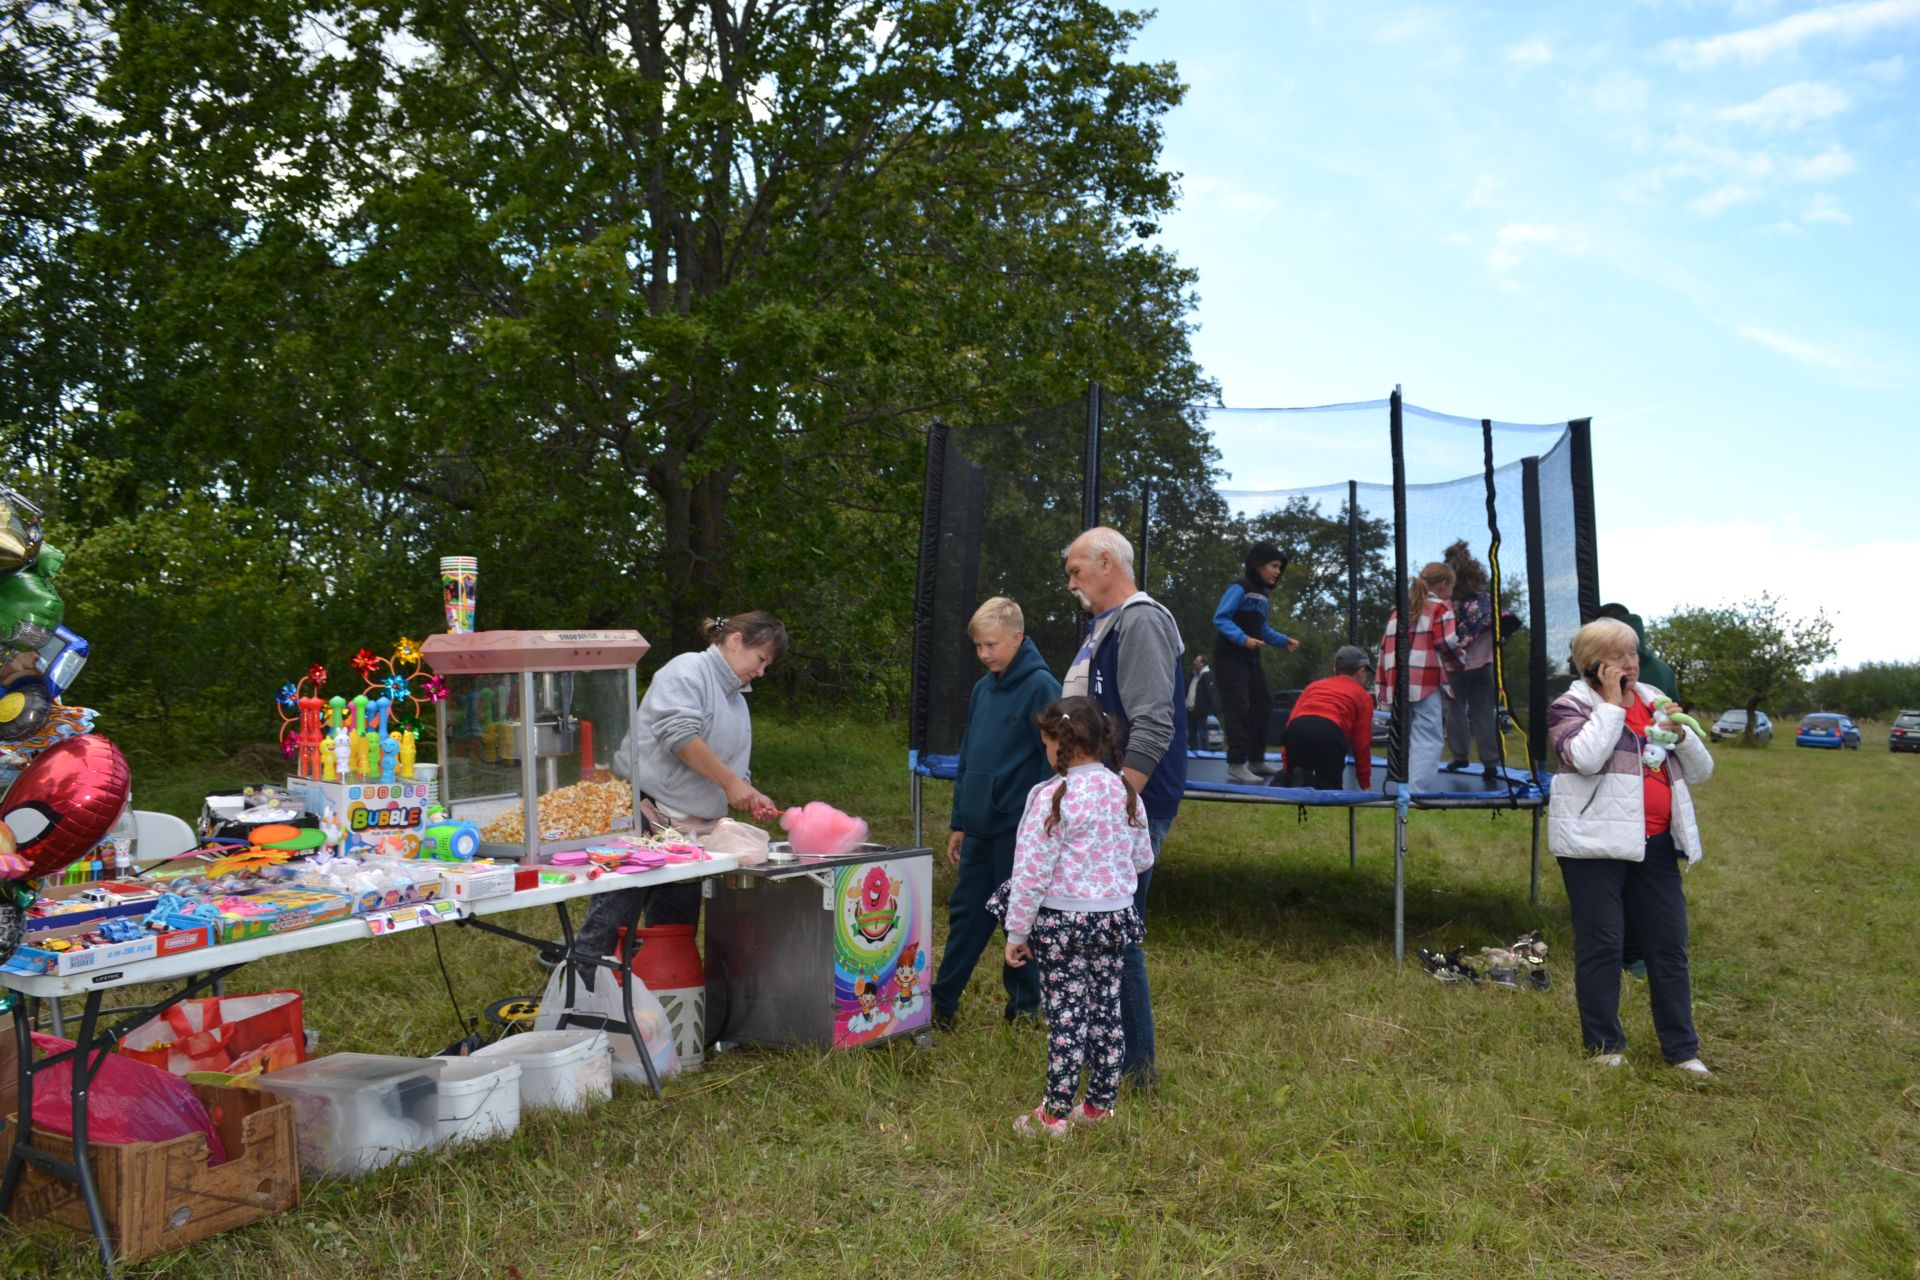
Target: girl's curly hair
x,y
1080,730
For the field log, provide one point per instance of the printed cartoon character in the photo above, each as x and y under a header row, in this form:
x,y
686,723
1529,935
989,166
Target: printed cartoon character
x,y
871,1015
905,978
877,908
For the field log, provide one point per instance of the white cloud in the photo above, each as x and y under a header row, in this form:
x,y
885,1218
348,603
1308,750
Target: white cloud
x,y
1791,106
1886,70
1851,21
1413,25
1620,93
1834,162
1514,239
1536,52
1722,198
1837,362
1825,208
1660,568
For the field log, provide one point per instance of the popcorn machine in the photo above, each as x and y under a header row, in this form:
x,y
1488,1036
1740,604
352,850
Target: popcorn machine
x,y
528,731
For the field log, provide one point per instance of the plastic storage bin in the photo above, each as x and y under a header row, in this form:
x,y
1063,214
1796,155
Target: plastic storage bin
x,y
359,1111
563,1070
479,1098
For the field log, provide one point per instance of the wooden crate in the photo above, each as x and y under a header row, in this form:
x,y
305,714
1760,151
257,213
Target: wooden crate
x,y
159,1196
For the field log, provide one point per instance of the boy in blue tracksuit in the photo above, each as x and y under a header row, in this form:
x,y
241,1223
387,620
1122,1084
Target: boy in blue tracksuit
x,y
1001,759
1241,630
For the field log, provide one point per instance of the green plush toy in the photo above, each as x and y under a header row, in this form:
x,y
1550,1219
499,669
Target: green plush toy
x,y
1667,737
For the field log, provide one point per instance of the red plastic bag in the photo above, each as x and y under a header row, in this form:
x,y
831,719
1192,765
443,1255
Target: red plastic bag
x,y
127,1102
230,1034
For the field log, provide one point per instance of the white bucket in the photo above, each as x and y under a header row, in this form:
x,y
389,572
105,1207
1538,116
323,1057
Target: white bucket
x,y
479,1098
564,1070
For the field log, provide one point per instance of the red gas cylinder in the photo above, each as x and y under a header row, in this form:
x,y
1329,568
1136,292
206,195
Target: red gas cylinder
x,y
668,964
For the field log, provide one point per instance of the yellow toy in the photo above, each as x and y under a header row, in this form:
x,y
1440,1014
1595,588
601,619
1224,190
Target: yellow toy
x,y
407,750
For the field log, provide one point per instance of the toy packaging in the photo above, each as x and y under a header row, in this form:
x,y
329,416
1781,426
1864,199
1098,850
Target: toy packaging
x,y
59,952
472,881
382,817
278,911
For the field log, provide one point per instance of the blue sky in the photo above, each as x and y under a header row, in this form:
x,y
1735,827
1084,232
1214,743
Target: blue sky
x,y
1697,223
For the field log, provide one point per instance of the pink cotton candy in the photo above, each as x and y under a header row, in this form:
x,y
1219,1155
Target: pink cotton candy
x,y
818,830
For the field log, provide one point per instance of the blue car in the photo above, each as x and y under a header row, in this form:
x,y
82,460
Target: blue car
x,y
1827,729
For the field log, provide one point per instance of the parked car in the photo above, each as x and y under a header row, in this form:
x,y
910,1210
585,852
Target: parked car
x,y
1732,724
1827,729
1277,714
1905,734
1383,726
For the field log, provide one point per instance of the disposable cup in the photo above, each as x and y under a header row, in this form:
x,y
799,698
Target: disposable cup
x,y
459,583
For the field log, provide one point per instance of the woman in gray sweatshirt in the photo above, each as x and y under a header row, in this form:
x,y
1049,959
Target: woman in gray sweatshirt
x,y
690,751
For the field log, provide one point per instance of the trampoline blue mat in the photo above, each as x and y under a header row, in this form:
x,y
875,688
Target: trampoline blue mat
x,y
1207,779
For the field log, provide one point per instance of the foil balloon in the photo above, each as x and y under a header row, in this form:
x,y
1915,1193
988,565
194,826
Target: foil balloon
x,y
65,802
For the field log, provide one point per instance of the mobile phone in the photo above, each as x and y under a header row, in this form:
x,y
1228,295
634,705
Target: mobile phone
x,y
1592,673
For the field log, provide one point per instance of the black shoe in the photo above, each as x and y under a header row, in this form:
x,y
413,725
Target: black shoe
x,y
1022,1018
1142,1079
1454,766
943,1019
1540,980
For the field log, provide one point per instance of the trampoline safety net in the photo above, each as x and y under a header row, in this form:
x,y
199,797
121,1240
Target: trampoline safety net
x,y
1001,503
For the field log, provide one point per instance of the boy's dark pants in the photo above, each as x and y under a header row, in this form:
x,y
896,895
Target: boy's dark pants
x,y
1622,906
1245,704
986,862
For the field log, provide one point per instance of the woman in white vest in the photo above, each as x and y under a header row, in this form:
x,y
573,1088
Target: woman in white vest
x,y
1622,825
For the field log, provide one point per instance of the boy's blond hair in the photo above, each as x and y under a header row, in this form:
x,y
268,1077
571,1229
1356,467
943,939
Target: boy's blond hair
x,y
999,613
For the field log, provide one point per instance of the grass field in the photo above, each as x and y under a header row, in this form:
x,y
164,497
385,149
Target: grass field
x,y
1322,1112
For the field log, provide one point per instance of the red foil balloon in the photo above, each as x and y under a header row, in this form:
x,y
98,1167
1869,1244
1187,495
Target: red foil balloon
x,y
66,802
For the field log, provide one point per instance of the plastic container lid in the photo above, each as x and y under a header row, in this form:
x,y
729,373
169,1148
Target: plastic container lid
x,y
349,1073
546,1049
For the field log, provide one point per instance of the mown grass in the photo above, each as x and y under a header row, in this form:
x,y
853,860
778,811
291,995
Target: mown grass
x,y
1322,1111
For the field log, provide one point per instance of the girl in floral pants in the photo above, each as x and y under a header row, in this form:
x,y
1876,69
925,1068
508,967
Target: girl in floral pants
x,y
1079,850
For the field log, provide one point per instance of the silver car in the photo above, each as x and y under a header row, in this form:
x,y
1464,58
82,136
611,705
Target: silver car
x,y
1733,724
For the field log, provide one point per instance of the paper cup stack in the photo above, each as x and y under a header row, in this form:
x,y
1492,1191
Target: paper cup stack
x,y
459,584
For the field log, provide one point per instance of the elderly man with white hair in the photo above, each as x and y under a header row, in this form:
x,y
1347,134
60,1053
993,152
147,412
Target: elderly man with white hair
x,y
1130,663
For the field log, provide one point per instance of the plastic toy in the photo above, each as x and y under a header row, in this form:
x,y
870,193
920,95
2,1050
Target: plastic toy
x,y
450,841
1661,732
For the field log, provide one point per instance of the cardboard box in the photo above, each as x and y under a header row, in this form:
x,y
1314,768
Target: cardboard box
x,y
35,958
370,811
159,1196
470,882
280,911
59,906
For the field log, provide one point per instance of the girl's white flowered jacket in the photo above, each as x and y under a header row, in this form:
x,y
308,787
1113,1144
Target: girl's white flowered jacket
x,y
1598,808
1090,861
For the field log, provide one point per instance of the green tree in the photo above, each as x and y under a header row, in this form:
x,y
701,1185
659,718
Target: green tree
x,y
1744,654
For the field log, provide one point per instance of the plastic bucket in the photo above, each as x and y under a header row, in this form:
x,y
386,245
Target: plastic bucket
x,y
669,965
559,1070
479,1098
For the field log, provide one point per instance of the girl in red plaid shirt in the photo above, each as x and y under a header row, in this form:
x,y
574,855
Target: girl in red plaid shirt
x,y
1433,648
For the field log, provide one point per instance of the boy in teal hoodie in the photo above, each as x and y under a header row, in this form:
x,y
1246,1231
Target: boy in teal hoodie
x,y
1001,758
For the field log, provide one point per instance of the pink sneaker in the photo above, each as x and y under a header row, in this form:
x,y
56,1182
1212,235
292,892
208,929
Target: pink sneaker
x,y
1087,1114
1035,1123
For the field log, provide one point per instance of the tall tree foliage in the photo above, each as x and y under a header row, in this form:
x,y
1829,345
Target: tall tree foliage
x,y
645,304
1741,655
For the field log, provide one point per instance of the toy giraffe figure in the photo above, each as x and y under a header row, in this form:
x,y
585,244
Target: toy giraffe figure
x,y
409,744
342,751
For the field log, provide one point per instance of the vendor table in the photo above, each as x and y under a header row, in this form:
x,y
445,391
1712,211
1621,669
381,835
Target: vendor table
x,y
197,971
829,952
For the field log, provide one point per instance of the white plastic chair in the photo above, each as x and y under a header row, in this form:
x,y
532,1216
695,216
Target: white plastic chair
x,y
160,836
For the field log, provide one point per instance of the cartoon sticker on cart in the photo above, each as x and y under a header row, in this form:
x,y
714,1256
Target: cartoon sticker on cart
x,y
880,934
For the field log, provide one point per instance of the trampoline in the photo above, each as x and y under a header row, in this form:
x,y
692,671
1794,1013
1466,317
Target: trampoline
x,y
998,508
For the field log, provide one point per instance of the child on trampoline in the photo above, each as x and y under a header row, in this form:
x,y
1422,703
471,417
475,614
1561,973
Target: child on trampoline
x,y
1433,647
1078,855
1241,631
1332,717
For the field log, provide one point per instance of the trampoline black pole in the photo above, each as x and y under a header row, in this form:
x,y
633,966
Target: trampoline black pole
x,y
1493,586
1402,719
1536,619
1586,553
1090,496
1353,562
1146,525
932,485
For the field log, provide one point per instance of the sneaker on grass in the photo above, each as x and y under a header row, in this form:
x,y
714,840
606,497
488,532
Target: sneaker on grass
x,y
1037,1123
1086,1114
1693,1066
1609,1059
